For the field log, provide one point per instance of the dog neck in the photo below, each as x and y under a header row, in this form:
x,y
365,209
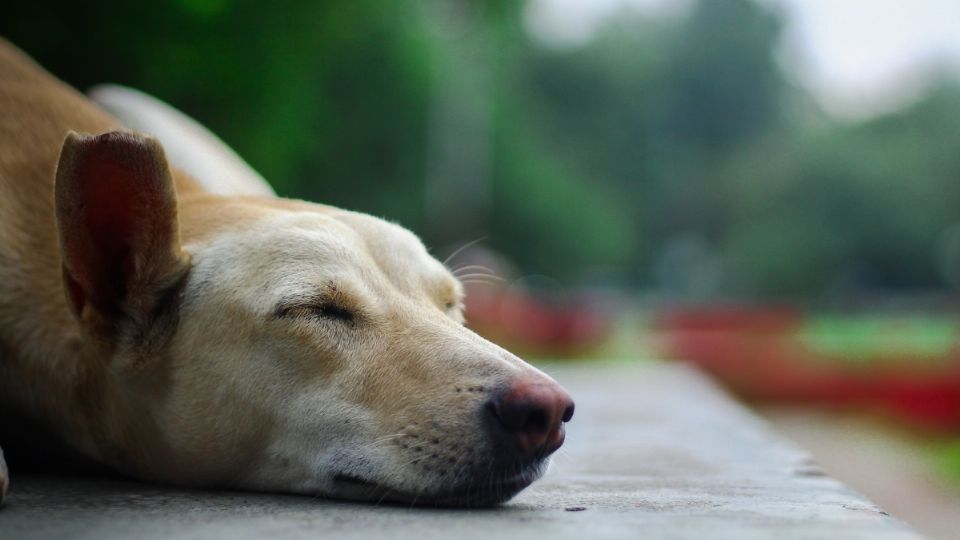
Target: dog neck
x,y
58,373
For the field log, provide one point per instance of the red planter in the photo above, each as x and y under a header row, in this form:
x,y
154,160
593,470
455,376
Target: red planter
x,y
554,326
758,353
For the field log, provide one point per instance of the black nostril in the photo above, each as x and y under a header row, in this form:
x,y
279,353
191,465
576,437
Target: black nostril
x,y
567,413
537,421
520,416
524,416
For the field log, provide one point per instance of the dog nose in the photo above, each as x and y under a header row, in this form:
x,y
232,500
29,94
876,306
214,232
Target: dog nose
x,y
532,411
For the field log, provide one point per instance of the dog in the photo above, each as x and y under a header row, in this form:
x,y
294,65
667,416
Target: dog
x,y
182,336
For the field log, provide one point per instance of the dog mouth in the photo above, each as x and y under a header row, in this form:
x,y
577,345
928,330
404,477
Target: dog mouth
x,y
476,493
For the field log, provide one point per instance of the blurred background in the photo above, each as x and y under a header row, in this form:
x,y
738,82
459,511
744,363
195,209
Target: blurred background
x,y
769,189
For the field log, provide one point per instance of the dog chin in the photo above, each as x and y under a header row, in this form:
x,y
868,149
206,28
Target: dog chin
x,y
472,493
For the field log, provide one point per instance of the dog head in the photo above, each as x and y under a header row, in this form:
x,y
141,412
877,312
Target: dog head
x,y
280,345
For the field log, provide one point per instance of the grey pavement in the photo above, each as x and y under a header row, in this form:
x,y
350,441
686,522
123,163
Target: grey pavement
x,y
655,451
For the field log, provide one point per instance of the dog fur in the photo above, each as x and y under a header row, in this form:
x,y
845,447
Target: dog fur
x,y
251,342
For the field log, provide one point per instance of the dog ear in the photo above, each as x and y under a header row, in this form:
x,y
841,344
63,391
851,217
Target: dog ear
x,y
116,213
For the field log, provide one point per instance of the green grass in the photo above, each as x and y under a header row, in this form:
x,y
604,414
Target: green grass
x,y
948,458
864,339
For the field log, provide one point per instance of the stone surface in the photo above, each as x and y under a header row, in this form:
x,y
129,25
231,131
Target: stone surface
x,y
886,463
655,451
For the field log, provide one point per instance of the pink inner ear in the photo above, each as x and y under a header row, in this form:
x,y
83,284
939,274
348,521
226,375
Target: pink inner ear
x,y
109,216
122,203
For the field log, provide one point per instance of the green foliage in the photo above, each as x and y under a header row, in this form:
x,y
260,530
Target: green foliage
x,y
659,135
564,225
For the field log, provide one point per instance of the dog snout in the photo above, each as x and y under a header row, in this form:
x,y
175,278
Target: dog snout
x,y
531,413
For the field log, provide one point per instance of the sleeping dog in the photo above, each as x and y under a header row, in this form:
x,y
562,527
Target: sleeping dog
x,y
176,334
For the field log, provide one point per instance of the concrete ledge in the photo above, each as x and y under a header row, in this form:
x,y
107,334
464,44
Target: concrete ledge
x,y
655,451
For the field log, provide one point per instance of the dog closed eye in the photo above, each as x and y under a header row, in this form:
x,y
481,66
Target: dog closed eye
x,y
321,308
332,310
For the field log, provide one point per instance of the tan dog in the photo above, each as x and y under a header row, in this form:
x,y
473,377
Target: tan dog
x,y
247,342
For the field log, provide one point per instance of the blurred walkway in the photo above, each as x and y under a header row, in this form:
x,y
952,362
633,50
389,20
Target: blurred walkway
x,y
877,462
654,452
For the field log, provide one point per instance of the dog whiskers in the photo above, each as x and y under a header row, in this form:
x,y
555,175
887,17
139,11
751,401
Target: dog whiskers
x,y
481,282
462,248
469,267
479,275
382,440
384,496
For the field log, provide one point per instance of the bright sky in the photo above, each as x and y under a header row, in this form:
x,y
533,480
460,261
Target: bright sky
x,y
858,57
